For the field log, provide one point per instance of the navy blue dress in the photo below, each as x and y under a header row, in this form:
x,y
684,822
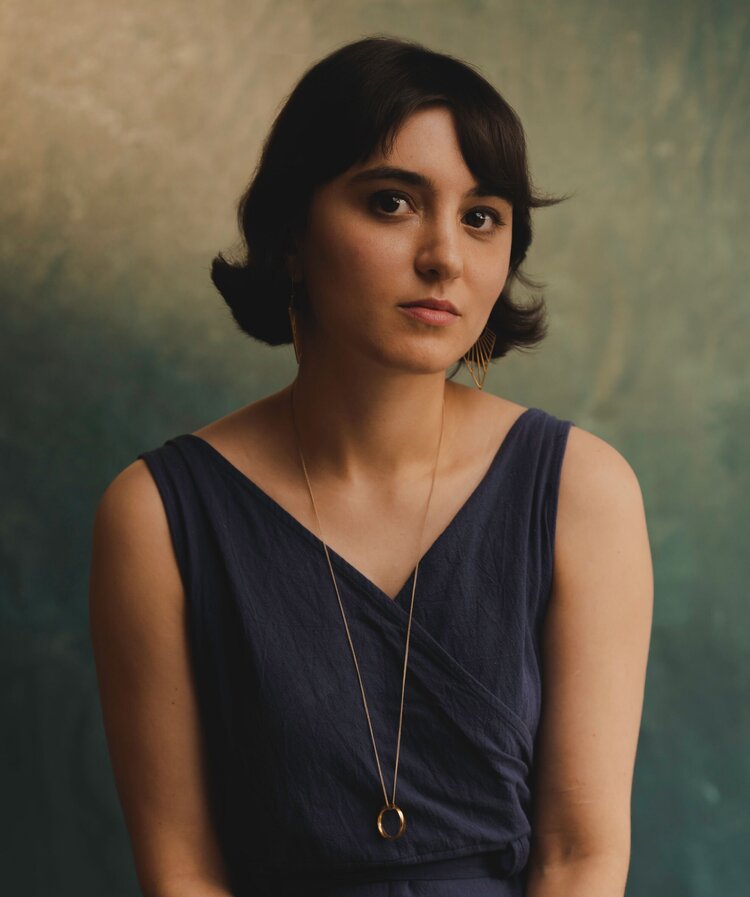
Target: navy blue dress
x,y
294,786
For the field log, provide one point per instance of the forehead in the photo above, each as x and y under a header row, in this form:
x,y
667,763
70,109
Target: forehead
x,y
425,153
426,141
430,129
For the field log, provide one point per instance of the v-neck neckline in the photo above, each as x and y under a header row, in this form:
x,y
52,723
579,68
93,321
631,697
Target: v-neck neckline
x,y
347,568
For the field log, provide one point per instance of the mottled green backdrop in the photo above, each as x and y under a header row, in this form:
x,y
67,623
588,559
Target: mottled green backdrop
x,y
129,130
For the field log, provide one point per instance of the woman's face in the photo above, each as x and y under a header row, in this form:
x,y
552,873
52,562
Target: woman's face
x,y
374,241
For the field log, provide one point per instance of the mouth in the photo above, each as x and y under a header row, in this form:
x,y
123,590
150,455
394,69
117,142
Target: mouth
x,y
431,312
430,302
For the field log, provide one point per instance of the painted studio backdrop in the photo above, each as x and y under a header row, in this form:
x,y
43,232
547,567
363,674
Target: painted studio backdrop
x,y
129,131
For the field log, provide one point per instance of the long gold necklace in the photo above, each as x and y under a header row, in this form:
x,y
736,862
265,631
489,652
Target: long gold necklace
x,y
389,804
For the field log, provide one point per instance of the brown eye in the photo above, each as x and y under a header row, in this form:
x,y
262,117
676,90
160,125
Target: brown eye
x,y
386,198
488,215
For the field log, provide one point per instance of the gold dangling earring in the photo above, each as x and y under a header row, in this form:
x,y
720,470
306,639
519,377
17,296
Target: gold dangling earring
x,y
293,323
479,355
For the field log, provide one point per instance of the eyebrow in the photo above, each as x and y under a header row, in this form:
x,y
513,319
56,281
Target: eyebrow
x,y
390,173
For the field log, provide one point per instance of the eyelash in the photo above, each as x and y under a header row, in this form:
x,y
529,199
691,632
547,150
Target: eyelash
x,y
493,215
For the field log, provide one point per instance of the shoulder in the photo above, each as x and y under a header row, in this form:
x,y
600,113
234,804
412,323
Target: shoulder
x,y
131,541
601,530
595,477
486,404
130,501
243,435
149,707
595,650
136,593
486,416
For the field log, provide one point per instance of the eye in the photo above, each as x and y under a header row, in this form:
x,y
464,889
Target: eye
x,y
393,198
489,215
386,197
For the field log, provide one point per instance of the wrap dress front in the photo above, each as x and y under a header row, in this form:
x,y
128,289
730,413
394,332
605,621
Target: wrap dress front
x,y
294,787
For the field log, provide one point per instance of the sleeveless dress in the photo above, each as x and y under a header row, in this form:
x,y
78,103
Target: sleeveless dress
x,y
294,787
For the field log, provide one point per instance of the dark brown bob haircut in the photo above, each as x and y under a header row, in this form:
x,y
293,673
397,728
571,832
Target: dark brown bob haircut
x,y
345,107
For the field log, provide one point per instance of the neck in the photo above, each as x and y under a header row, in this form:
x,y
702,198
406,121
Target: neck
x,y
356,428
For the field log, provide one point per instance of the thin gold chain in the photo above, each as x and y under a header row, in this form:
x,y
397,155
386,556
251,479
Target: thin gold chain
x,y
343,614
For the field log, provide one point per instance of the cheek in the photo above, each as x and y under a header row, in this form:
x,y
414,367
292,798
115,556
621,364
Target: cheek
x,y
494,280
348,252
495,274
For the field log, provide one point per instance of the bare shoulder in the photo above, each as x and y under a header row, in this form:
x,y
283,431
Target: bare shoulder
x,y
131,501
487,415
596,481
486,403
593,453
595,650
135,589
131,531
601,521
242,435
148,701
254,416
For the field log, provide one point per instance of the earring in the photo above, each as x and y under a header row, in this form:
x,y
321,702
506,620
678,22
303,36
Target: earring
x,y
293,323
479,355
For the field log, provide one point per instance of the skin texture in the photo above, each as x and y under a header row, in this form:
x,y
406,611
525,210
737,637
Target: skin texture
x,y
360,265
595,651
368,401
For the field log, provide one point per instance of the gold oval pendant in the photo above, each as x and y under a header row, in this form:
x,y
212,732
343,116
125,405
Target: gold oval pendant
x,y
402,822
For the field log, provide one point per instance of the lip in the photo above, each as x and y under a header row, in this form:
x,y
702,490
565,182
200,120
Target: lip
x,y
431,302
434,316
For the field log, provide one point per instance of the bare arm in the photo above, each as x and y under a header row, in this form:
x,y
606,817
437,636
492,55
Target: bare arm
x,y
136,614
595,651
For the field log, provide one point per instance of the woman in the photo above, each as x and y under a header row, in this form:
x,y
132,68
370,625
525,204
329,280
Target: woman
x,y
335,655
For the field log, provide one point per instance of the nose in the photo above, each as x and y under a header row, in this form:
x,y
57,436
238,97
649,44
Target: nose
x,y
439,252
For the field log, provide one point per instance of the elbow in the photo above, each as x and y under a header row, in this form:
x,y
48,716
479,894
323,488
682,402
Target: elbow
x,y
585,874
587,870
183,886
